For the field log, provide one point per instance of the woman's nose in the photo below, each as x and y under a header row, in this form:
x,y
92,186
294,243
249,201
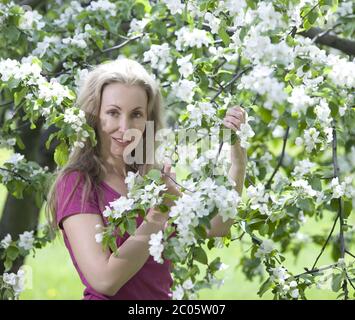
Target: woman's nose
x,y
123,123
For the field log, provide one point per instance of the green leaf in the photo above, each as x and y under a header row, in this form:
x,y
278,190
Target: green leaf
x,y
18,96
12,252
307,25
336,282
38,199
8,264
61,154
265,287
113,246
154,174
316,183
146,5
312,16
131,226
223,34
20,143
201,231
348,206
215,264
200,255
210,243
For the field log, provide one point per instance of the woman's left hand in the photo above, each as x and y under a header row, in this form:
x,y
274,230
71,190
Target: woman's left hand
x,y
234,117
169,177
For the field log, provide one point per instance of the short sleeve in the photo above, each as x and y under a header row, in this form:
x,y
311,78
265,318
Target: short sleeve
x,y
69,198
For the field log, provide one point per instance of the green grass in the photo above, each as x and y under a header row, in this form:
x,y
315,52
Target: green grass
x,y
54,276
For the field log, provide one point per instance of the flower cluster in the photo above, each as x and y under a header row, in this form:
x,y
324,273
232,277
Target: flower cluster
x,y
342,189
117,207
185,66
175,6
265,248
259,198
287,288
191,38
158,56
189,208
261,81
15,281
156,246
184,89
200,110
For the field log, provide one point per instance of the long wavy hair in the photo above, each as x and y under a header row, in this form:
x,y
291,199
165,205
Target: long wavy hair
x,y
87,160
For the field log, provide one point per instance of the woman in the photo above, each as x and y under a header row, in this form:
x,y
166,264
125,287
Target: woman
x,y
116,97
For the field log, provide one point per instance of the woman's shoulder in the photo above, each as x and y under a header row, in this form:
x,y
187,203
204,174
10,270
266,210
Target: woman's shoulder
x,y
73,178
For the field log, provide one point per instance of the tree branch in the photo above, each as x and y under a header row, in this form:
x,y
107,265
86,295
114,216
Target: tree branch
x,y
344,45
267,186
340,203
326,242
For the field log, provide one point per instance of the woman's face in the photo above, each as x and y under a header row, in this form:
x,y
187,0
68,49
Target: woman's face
x,y
123,107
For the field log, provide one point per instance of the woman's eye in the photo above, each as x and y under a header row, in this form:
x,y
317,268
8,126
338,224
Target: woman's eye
x,y
113,113
137,115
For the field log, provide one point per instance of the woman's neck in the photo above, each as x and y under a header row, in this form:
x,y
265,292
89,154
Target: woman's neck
x,y
115,166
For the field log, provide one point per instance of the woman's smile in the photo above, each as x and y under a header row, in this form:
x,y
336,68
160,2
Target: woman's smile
x,y
121,142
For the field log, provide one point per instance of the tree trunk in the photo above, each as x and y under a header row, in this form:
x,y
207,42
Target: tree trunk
x,y
21,215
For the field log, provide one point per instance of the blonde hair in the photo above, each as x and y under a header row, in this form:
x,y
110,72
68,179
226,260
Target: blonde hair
x,y
87,160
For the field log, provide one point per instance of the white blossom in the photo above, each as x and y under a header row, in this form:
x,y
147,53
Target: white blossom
x,y
304,186
266,247
186,68
280,274
118,206
294,293
191,38
303,167
199,110
244,134
342,73
258,198
188,285
16,281
178,293
99,237
137,26
175,6
278,132
52,91
311,139
156,246
15,158
270,19
261,81
5,243
300,100
26,240
31,20
75,120
78,40
322,111
342,189
102,5
184,89
159,56
43,46
213,22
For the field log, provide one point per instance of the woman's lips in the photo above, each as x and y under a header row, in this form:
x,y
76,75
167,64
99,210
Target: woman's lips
x,y
121,143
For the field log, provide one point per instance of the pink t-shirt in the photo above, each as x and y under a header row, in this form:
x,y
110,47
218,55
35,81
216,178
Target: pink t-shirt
x,y
152,282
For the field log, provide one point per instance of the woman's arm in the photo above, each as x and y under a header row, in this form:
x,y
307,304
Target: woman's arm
x,y
234,118
218,227
106,273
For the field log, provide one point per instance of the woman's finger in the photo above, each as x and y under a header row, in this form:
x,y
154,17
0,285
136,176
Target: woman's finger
x,y
237,114
231,124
